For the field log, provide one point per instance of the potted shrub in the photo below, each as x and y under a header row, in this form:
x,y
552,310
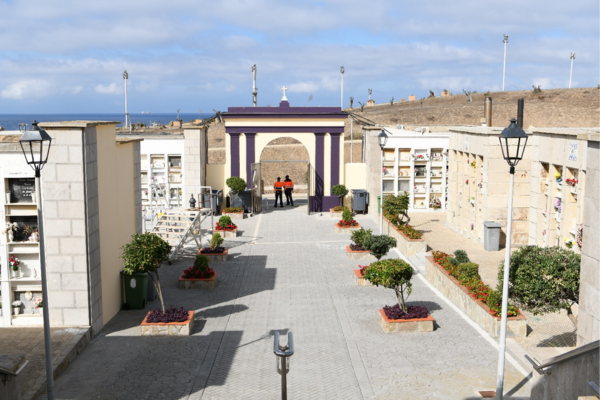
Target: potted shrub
x,y
396,274
199,276
357,250
16,307
379,245
14,263
237,186
142,255
347,223
226,227
234,212
397,208
215,252
336,212
543,279
341,191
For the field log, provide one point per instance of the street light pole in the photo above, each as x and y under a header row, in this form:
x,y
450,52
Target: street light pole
x,y
382,139
127,119
504,69
31,141
342,70
571,74
512,142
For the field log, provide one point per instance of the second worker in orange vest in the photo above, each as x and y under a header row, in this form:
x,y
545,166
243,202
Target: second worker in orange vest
x,y
278,187
289,187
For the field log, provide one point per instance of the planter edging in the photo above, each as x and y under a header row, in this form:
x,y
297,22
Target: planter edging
x,y
205,283
339,229
359,254
168,328
408,247
405,325
215,257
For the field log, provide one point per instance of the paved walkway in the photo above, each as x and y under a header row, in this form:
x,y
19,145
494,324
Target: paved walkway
x,y
288,272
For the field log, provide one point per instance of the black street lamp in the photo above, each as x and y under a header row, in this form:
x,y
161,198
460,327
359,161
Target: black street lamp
x,y
513,140
36,147
382,139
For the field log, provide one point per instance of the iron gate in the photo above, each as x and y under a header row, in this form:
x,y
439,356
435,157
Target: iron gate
x,y
256,188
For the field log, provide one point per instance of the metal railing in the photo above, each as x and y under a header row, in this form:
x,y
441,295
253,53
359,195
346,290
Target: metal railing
x,y
283,363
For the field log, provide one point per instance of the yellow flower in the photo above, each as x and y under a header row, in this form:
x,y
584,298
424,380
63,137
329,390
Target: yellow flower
x,y
557,175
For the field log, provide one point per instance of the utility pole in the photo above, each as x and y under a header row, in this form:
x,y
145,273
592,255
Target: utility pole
x,y
504,69
254,90
342,72
571,75
127,119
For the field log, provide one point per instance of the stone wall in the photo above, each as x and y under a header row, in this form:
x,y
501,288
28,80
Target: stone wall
x,y
588,325
137,170
195,157
408,247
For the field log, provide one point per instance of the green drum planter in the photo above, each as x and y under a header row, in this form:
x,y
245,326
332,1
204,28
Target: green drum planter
x,y
135,288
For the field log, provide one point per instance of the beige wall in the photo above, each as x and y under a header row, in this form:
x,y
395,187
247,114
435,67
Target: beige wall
x,y
116,192
356,178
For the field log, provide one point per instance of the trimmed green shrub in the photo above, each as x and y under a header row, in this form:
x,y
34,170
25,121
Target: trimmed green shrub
x,y
392,274
379,245
145,253
236,184
397,206
461,256
341,191
544,279
494,302
201,262
347,216
453,261
216,241
224,221
468,271
359,236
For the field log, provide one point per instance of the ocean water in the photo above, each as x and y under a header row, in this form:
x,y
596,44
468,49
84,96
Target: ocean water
x,y
11,122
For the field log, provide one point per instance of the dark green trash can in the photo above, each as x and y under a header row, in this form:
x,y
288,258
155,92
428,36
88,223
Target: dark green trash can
x,y
135,288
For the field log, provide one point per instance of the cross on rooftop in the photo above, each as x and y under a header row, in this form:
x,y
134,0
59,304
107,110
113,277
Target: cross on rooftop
x,y
284,89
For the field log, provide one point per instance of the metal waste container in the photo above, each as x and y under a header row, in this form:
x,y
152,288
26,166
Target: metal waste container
x,y
491,235
217,199
360,199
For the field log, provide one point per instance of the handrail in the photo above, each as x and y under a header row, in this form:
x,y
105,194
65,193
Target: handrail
x,y
588,348
284,351
283,364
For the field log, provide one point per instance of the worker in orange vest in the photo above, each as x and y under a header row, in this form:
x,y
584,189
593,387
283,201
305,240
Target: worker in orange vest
x,y
278,187
289,187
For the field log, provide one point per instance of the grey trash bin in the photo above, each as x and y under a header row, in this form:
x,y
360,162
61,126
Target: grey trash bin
x,y
491,236
217,199
360,199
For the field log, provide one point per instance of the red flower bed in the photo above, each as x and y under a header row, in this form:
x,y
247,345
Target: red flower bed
x,y
414,312
192,273
362,268
410,232
347,224
230,227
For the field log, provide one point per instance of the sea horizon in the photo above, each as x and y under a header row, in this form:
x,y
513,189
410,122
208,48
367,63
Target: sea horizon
x,y
10,122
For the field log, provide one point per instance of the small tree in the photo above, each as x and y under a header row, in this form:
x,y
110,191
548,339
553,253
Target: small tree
x,y
216,241
237,185
544,279
341,191
145,253
392,274
397,206
379,245
359,236
224,221
347,216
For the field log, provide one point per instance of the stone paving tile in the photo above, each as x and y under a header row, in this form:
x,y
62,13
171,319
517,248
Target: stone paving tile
x,y
292,276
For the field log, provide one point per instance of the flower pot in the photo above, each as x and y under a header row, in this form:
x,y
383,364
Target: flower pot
x,y
16,310
200,283
136,290
7,198
14,274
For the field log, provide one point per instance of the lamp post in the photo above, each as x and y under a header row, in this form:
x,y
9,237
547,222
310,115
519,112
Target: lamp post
x,y
382,138
512,142
571,74
504,69
342,70
127,119
36,147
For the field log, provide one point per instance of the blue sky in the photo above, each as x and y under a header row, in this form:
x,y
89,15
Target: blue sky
x,y
68,56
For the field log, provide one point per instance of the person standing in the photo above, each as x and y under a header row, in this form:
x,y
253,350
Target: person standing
x,y
289,187
278,187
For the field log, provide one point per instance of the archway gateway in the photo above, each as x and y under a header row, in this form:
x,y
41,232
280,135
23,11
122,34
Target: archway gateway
x,y
319,129
258,189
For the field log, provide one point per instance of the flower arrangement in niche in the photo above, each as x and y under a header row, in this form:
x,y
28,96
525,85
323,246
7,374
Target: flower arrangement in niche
x,y
544,232
579,236
558,205
472,226
14,263
38,303
467,182
435,203
473,164
558,177
569,243
572,182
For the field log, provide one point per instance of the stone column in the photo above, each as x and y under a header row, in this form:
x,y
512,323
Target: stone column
x,y
319,164
250,156
335,159
234,151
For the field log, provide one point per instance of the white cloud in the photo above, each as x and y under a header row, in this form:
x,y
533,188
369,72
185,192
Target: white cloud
x,y
304,87
108,89
230,88
26,89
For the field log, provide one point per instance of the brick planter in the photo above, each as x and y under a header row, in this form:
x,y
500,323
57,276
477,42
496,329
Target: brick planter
x,y
235,215
408,247
350,229
207,283
360,281
405,325
215,257
168,329
477,310
359,254
227,234
335,214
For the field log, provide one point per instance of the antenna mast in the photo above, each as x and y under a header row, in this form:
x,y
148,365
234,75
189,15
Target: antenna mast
x,y
127,119
254,90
